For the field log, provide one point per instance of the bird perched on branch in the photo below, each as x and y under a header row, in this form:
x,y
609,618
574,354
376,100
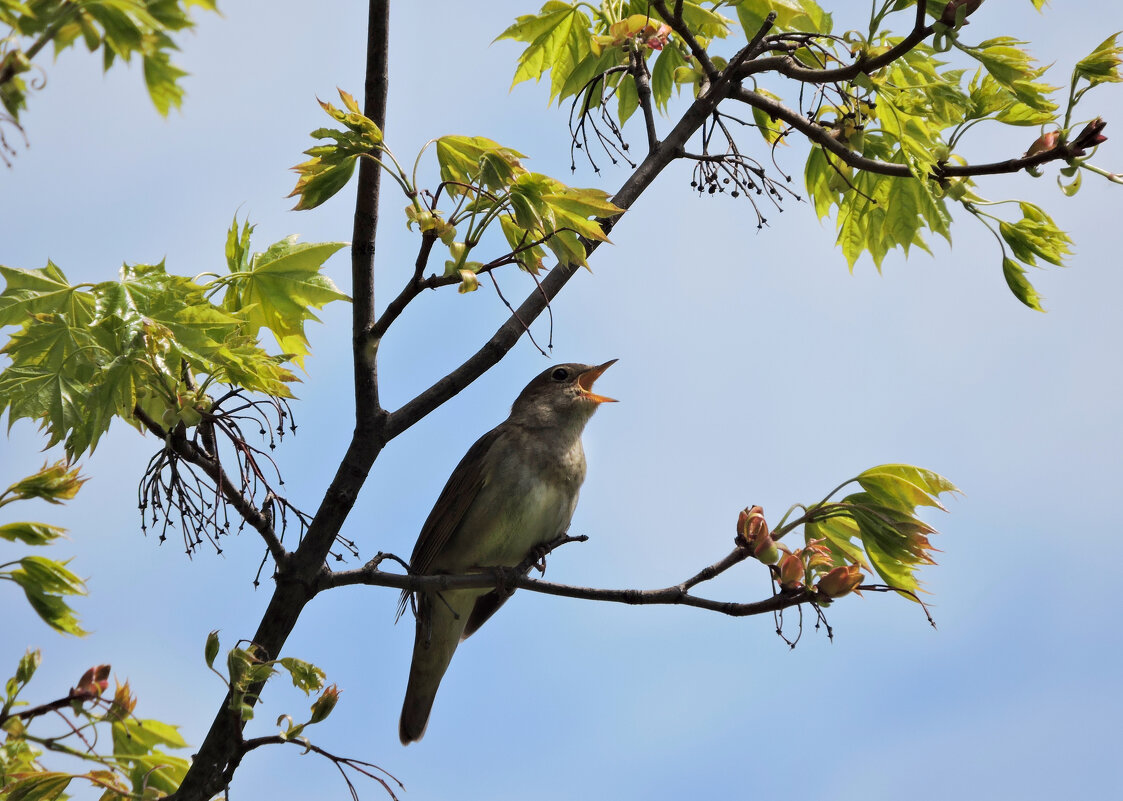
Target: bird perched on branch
x,y
514,491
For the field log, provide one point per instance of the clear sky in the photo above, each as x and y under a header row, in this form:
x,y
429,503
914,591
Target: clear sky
x,y
753,369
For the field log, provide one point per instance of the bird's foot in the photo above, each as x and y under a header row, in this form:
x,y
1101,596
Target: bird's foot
x,y
537,557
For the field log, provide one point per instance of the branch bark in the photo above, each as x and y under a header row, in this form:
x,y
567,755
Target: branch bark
x,y
220,747
822,136
790,68
516,578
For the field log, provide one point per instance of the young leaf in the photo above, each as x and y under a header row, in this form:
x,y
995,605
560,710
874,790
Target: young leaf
x,y
838,534
52,609
904,487
1036,236
662,76
627,99
42,291
135,752
39,392
331,166
57,483
1013,67
305,676
1102,64
210,651
462,159
558,40
162,79
279,289
47,576
1015,275
39,786
28,664
323,705
791,15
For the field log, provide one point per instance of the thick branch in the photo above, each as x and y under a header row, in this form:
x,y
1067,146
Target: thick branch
x,y
365,227
637,71
536,301
206,775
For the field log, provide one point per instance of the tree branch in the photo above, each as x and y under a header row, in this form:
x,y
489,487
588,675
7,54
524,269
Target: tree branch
x,y
789,67
536,301
366,226
637,70
205,777
822,136
51,706
677,25
410,291
340,763
511,579
186,450
501,578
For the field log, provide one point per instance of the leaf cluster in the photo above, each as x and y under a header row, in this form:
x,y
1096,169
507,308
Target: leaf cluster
x,y
485,183
247,672
150,345
876,528
134,765
911,112
120,29
46,583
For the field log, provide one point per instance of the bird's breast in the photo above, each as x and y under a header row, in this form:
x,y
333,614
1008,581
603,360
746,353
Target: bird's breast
x,y
528,500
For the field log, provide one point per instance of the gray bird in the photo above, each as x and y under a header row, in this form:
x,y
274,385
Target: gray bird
x,y
513,491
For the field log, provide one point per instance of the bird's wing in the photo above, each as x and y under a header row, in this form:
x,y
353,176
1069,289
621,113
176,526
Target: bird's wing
x,y
453,503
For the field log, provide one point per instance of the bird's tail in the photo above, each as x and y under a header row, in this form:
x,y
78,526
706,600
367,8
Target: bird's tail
x,y
439,625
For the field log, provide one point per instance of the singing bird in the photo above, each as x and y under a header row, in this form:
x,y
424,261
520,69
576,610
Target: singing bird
x,y
513,491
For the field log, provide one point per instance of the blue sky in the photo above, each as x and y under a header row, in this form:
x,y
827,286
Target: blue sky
x,y
753,369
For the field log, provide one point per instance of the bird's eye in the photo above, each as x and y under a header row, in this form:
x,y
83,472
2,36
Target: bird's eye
x,y
561,374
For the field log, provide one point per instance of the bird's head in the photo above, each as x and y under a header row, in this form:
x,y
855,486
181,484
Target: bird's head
x,y
561,394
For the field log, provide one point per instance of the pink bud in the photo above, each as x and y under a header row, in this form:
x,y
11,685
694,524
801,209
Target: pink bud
x,y
840,581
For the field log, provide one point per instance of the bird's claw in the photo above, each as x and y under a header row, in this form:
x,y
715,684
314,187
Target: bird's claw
x,y
538,557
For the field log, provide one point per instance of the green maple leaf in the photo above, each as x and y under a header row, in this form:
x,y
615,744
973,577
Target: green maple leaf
x,y
278,289
40,392
42,291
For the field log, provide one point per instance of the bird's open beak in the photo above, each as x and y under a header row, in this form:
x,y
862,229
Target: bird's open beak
x,y
586,379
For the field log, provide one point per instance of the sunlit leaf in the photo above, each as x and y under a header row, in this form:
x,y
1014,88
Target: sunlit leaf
x,y
1015,275
1102,64
279,289
42,291
40,786
558,40
305,676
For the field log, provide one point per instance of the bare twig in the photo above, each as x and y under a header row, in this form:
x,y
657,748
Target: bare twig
x,y
190,453
357,765
675,21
